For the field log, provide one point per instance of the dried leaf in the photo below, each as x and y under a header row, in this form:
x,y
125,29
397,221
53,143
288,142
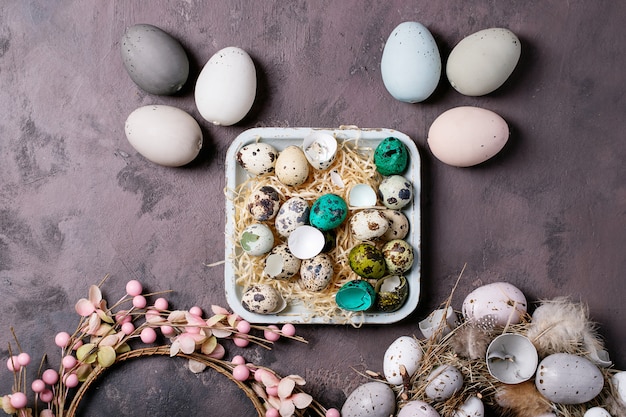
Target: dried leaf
x,y
196,367
285,387
106,356
84,307
302,400
86,353
209,345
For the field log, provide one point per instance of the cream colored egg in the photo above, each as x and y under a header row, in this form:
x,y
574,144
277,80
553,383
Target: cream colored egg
x,y
292,167
465,136
481,62
163,134
226,87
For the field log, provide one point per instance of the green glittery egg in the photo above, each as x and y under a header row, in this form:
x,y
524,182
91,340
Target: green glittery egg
x,y
367,261
391,293
391,156
328,212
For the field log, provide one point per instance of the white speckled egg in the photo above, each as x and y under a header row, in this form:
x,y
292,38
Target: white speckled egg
x,y
411,63
368,224
619,380
472,407
404,351
257,158
596,412
395,192
281,263
398,256
565,378
262,299
372,399
418,408
443,382
481,62
317,272
465,136
263,203
164,135
292,214
495,304
257,239
226,87
292,167
398,225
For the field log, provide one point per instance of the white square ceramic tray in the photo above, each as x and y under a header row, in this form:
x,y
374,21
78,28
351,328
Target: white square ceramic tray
x,y
280,138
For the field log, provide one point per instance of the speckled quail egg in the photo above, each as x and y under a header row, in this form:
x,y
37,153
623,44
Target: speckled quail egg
x,y
368,224
317,272
292,167
292,214
398,256
257,158
281,263
391,293
443,382
398,225
328,212
256,239
262,299
263,204
395,192
367,261
391,156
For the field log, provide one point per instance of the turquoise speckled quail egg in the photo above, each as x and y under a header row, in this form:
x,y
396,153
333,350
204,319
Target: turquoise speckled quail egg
x,y
372,399
328,212
395,192
262,299
443,382
292,214
398,225
418,408
281,263
263,203
398,256
317,272
257,239
368,224
257,158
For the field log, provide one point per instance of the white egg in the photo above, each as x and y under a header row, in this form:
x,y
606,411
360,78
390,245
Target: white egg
x,y
404,351
596,412
619,380
418,408
495,304
226,87
257,239
472,407
163,134
443,382
565,378
372,399
411,64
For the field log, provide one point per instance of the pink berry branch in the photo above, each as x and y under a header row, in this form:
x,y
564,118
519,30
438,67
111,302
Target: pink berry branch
x,y
103,337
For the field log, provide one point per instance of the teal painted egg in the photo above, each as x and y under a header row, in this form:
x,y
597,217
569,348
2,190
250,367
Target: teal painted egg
x,y
367,261
356,295
328,212
391,156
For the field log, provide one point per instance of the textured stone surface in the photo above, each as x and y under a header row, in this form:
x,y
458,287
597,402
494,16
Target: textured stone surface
x,y
77,202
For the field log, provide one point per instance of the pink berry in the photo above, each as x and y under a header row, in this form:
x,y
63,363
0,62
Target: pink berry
x,y
272,412
46,396
23,359
167,330
133,288
196,311
38,385
241,372
123,317
50,376
13,364
68,362
239,360
243,327
18,400
241,341
271,333
70,380
161,304
139,301
289,329
272,391
332,412
148,335
128,328
62,339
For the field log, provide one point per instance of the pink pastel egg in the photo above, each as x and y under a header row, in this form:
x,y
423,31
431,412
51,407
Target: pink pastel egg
x,y
272,412
71,380
241,340
128,328
38,385
12,364
289,329
23,359
271,333
46,396
243,327
196,311
239,360
68,361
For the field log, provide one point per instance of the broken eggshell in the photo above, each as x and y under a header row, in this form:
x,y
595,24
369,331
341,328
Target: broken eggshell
x,y
305,242
281,263
263,299
391,293
495,304
512,358
320,149
440,322
362,195
356,295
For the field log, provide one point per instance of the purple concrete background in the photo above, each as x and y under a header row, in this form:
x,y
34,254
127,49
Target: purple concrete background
x,y
77,202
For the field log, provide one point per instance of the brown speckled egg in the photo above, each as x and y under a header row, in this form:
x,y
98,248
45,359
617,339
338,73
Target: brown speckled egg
x,y
398,256
263,204
398,225
317,272
368,224
261,299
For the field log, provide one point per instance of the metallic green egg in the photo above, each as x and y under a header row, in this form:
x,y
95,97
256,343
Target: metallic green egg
x,y
367,261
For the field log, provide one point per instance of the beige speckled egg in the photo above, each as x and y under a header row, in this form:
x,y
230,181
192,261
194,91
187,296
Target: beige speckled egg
x,y
398,225
292,167
317,272
261,299
465,136
280,263
263,203
495,304
398,256
368,224
404,351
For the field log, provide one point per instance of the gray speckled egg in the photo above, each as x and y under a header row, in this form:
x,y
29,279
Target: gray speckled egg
x,y
281,263
317,272
443,382
398,225
261,299
565,378
398,256
257,158
263,204
291,215
368,224
372,399
395,192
